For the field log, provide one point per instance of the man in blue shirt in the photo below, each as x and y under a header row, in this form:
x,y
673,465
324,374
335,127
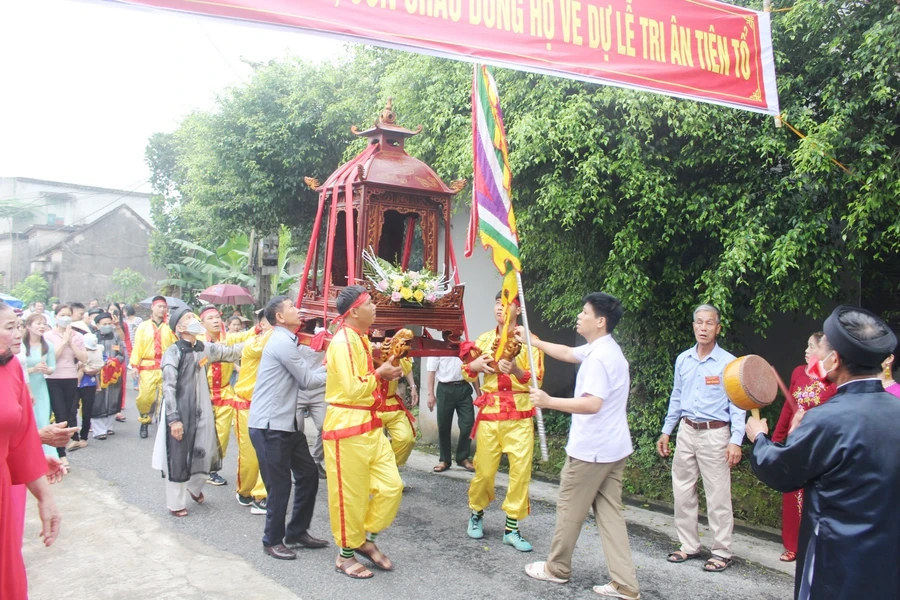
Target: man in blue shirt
x,y
709,442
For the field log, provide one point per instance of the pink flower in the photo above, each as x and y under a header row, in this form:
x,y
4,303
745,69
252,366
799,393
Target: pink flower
x,y
396,297
382,286
430,298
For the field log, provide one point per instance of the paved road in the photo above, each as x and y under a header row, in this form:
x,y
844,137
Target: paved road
x,y
427,542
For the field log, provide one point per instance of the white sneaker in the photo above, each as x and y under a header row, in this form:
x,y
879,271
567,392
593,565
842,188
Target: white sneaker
x,y
611,590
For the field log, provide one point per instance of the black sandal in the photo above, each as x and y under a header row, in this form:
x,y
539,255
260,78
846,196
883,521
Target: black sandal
x,y
679,556
717,564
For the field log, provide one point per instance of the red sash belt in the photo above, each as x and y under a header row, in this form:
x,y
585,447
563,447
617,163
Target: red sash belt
x,y
384,407
508,409
240,403
153,367
340,434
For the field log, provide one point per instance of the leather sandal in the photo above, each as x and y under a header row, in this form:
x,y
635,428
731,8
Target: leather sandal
x,y
179,513
788,556
375,556
353,569
679,556
198,499
717,564
441,467
468,466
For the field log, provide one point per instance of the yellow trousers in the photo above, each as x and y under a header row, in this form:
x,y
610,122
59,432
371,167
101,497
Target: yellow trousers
x,y
364,486
249,481
149,393
402,438
515,438
224,421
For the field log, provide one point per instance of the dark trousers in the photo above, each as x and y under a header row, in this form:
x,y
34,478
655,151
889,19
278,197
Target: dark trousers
x,y
64,404
454,397
86,395
280,454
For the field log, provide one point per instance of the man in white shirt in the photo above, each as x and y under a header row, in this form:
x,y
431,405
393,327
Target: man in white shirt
x,y
453,394
599,444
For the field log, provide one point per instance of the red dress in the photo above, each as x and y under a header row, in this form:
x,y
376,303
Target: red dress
x,y
806,393
22,460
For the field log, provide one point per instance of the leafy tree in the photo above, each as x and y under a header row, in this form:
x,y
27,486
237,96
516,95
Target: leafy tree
x,y
33,288
665,203
131,286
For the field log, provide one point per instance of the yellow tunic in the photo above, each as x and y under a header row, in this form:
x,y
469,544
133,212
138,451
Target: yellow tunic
x,y
364,486
396,417
221,394
150,343
504,426
249,481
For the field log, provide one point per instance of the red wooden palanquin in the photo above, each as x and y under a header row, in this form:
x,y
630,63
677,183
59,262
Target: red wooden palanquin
x,y
391,195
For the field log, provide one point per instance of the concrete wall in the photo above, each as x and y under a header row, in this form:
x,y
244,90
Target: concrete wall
x,y
57,203
82,267
14,259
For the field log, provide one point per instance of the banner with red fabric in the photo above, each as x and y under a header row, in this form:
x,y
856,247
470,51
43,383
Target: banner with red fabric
x,y
699,49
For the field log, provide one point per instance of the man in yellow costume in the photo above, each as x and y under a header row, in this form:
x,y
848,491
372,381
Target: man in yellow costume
x,y
220,391
251,491
364,486
393,412
503,425
151,339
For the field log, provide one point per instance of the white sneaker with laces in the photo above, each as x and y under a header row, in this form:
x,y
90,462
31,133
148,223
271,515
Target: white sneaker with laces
x,y
611,590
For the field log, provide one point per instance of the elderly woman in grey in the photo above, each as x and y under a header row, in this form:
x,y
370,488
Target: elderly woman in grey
x,y
187,447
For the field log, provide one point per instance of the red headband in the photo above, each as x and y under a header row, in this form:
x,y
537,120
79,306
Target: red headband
x,y
360,300
163,302
207,308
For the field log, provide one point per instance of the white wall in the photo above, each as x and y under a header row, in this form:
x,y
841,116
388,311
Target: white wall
x,y
74,204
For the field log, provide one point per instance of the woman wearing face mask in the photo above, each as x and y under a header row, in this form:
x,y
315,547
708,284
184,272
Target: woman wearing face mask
x,y
62,384
21,462
111,379
808,388
126,335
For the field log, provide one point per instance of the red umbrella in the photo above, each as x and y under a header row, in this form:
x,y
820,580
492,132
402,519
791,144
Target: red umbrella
x,y
226,293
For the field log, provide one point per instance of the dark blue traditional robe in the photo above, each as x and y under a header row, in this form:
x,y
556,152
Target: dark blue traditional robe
x,y
846,457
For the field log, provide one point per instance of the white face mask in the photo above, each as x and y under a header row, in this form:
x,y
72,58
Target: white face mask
x,y
195,328
64,322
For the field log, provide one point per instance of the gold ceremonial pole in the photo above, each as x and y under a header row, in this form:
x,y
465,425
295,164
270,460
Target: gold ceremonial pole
x,y
542,435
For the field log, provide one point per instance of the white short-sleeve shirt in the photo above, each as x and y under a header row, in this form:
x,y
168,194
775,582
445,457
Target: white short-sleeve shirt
x,y
602,437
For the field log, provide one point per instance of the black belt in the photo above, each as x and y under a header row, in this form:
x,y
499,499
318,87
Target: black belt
x,y
460,382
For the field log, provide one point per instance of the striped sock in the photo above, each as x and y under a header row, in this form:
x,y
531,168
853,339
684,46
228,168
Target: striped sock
x,y
511,525
370,537
478,513
346,553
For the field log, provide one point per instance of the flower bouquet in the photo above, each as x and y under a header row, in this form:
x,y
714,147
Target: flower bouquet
x,y
414,287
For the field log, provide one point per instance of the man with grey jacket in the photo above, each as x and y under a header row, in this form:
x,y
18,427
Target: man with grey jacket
x,y
275,432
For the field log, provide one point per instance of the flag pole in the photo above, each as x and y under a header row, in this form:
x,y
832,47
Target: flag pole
x,y
542,435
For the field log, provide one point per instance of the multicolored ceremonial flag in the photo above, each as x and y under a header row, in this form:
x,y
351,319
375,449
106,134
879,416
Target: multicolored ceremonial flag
x,y
492,213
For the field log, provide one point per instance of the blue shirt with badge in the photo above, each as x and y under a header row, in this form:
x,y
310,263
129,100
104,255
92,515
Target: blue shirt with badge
x,y
699,392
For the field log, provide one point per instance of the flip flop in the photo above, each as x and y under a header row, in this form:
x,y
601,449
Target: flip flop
x,y
441,467
788,556
353,569
376,557
198,499
179,513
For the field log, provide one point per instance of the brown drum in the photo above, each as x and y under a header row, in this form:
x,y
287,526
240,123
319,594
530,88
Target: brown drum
x,y
751,382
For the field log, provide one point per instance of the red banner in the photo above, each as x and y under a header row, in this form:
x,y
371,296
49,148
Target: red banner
x,y
699,49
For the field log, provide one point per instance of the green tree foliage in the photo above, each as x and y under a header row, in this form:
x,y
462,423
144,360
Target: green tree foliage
x,y
33,288
664,202
131,286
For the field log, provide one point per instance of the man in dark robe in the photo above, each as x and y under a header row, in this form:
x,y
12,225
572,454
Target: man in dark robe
x,y
844,456
109,380
187,447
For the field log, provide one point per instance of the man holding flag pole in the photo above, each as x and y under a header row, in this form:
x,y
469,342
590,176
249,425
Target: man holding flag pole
x,y
503,424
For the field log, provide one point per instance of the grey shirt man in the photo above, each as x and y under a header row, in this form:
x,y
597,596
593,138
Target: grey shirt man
x,y
283,371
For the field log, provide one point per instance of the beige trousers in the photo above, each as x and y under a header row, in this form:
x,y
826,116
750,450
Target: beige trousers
x,y
584,485
701,452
